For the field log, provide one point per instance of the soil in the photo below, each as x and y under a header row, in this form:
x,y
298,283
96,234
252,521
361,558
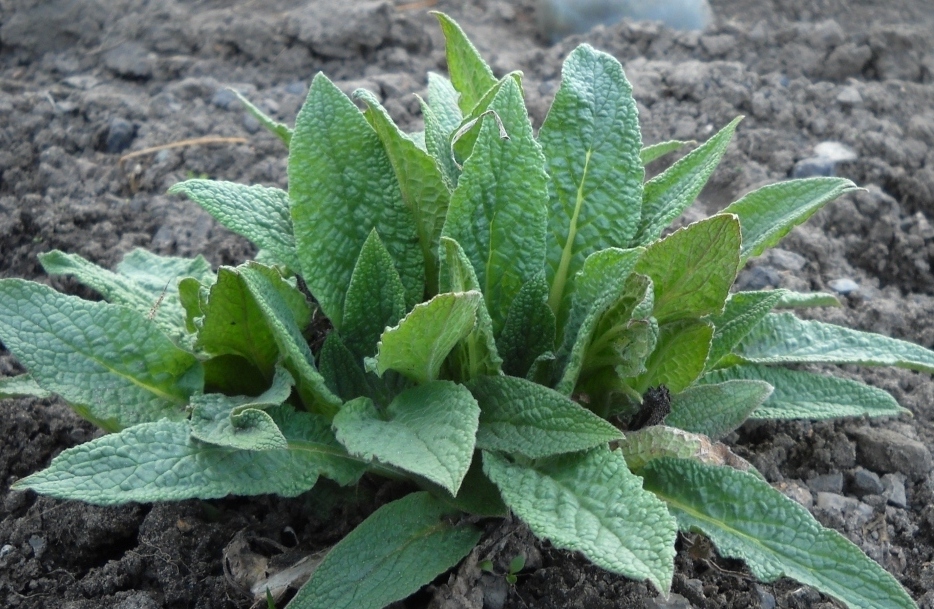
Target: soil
x,y
84,82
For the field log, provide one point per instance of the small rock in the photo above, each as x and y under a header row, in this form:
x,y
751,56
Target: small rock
x,y
224,98
6,550
835,151
833,502
766,598
883,450
894,491
849,96
827,483
813,167
250,123
296,87
129,60
38,545
866,482
120,134
344,29
786,260
758,278
495,590
843,286
81,81
796,492
674,601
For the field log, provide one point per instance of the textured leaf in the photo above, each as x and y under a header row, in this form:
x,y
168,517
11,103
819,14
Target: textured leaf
x,y
668,194
529,329
342,370
111,363
477,495
626,333
679,356
420,343
741,313
498,210
478,351
189,297
239,421
267,290
375,298
276,128
796,300
420,180
521,417
438,145
805,395
399,548
470,75
591,141
693,268
657,151
162,462
749,520
783,338
21,386
769,213
443,98
464,138
342,186
660,441
259,213
591,503
429,430
716,409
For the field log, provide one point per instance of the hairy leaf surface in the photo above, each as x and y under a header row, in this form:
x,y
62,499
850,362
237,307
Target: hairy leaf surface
x,y
21,386
470,74
679,355
741,313
717,409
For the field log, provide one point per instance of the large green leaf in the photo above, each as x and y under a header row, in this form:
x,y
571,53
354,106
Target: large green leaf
x,y
776,537
269,291
668,194
21,386
717,409
679,356
375,298
162,462
529,329
741,313
470,75
418,346
769,213
660,441
420,180
111,363
521,417
399,548
693,268
342,186
498,210
438,145
783,338
804,395
259,213
590,502
443,98
591,141
429,430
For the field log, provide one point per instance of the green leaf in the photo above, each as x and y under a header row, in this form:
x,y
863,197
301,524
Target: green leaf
x,y
420,180
470,75
464,138
478,351
529,330
497,212
239,422
375,298
443,99
399,548
660,441
717,409
797,300
591,503
656,151
776,537
21,386
429,430
114,365
521,417
741,313
420,343
259,213
477,495
668,194
693,268
626,333
679,356
804,395
189,297
438,145
342,186
268,289
769,213
783,338
278,129
591,141
162,462
342,370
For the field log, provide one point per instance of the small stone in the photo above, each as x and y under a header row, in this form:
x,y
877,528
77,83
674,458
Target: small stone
x,y
38,545
833,502
674,601
120,134
786,260
812,167
129,60
766,598
866,482
250,123
495,590
835,151
894,492
6,550
224,98
849,96
843,286
827,483
296,87
758,278
883,450
796,492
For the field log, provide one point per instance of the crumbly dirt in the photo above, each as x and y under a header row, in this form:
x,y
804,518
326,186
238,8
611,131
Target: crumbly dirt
x,y
84,82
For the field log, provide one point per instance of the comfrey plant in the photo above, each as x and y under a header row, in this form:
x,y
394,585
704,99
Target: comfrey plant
x,y
510,332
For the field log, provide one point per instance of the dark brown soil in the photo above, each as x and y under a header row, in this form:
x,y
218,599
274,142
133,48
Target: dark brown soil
x,y
84,81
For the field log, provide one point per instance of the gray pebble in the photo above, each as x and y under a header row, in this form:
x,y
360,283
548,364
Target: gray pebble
x,y
849,96
120,134
38,545
766,598
495,590
758,278
6,550
250,123
844,285
296,88
834,502
129,60
674,601
866,482
814,166
828,483
883,450
894,491
786,260
224,98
